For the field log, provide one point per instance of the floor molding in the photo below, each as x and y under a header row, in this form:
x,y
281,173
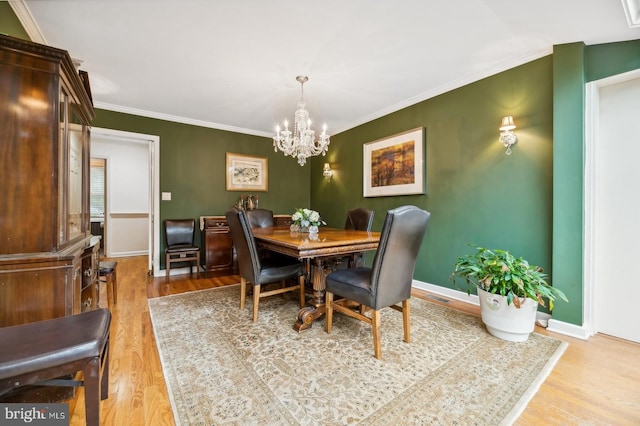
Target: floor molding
x,y
555,326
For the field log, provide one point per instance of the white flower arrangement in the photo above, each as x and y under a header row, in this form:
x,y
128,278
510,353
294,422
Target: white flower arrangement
x,y
306,217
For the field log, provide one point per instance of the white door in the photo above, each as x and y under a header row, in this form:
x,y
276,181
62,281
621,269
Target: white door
x,y
617,211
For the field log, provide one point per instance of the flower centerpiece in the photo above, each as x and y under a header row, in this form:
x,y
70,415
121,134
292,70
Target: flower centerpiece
x,y
306,220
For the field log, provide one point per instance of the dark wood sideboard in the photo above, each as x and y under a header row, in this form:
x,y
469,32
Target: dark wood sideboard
x,y
48,257
219,255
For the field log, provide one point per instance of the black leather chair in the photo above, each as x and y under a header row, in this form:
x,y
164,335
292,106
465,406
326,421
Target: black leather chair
x,y
359,219
389,279
260,218
179,235
261,271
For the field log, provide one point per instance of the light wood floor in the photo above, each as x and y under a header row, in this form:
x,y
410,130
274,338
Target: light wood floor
x,y
595,382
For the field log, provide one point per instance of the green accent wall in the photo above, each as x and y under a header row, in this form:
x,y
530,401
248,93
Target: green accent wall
x,y
10,24
568,187
605,60
192,168
475,192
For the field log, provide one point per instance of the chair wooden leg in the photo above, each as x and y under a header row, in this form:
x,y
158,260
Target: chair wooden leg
x,y
406,311
375,324
92,388
243,292
167,267
328,303
302,298
104,380
114,286
256,301
108,282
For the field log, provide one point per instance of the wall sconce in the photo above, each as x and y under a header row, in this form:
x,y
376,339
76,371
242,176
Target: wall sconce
x,y
507,137
327,172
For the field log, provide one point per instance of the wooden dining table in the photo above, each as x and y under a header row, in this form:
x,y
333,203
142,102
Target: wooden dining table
x,y
318,251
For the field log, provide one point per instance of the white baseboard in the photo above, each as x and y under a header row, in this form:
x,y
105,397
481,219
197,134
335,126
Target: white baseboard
x,y
571,330
554,326
129,253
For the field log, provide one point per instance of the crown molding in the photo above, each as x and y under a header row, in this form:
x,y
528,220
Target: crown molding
x,y
495,69
632,12
23,13
178,119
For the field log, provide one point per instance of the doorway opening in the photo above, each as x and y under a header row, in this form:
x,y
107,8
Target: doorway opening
x,y
130,210
97,199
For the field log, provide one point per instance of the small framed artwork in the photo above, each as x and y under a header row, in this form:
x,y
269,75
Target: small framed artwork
x,y
394,165
247,173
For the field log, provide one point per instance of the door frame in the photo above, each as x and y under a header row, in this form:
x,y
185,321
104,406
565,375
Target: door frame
x,y
591,272
153,143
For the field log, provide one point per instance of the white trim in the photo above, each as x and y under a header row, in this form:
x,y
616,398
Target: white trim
x,y
154,147
632,12
447,292
178,119
571,330
553,325
29,24
129,253
508,64
590,209
496,69
511,63
590,253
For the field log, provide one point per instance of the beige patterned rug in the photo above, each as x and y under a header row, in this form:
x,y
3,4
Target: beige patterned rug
x,y
222,369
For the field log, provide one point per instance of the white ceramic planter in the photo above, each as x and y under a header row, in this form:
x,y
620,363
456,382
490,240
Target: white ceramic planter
x,y
506,321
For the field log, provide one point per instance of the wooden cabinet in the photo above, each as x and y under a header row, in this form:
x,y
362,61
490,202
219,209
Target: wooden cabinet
x,y
219,254
48,259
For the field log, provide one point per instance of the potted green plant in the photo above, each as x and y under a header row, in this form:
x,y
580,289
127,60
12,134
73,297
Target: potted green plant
x,y
509,289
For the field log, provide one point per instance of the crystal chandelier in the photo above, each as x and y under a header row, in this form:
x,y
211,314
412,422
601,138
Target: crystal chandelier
x,y
301,143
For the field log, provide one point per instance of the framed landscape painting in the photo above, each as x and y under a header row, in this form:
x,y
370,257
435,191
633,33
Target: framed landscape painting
x,y
246,173
394,165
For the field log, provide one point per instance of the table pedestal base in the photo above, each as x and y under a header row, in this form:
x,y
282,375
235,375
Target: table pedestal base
x,y
308,314
306,317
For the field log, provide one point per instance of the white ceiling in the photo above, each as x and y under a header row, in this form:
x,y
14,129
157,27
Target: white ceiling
x,y
231,64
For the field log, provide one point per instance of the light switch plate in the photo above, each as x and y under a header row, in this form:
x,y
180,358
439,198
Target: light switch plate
x,y
166,196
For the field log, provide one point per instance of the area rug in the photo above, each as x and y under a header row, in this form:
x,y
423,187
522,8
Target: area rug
x,y
223,369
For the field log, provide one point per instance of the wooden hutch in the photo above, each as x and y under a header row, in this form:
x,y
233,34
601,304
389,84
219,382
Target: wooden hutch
x,y
48,258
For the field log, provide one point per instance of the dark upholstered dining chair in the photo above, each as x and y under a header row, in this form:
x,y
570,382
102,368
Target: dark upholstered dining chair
x,y
179,235
260,218
359,219
389,279
261,271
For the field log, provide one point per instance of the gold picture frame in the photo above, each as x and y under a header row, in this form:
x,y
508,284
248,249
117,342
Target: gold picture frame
x,y
394,165
246,172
